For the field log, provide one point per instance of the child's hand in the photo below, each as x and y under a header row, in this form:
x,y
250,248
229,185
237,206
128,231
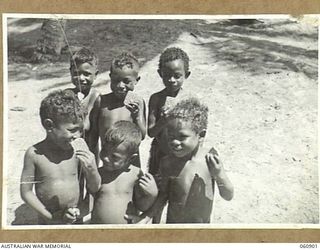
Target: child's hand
x,y
87,159
71,214
134,108
214,163
164,111
148,185
138,219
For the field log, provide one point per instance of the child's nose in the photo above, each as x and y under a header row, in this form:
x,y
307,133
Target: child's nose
x,y
82,77
172,79
175,142
76,135
122,85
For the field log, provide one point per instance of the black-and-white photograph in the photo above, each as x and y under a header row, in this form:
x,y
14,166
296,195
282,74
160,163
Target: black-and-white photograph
x,y
160,121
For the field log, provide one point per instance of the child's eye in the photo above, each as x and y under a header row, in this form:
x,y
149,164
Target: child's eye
x,y
170,137
177,76
126,81
183,137
73,130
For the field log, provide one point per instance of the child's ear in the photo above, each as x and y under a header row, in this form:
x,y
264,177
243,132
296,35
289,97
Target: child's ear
x,y
133,157
48,124
188,74
203,133
159,72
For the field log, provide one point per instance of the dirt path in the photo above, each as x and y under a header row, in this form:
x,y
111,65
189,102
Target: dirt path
x,y
263,125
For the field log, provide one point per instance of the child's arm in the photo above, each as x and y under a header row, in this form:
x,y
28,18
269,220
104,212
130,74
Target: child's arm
x,y
219,175
93,136
159,203
138,113
26,186
154,126
89,166
146,192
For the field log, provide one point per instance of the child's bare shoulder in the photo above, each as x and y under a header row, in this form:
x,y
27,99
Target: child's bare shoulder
x,y
94,93
156,97
31,152
36,150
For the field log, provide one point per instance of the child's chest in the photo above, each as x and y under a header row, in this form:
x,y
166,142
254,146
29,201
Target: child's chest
x,y
123,184
108,116
193,181
57,170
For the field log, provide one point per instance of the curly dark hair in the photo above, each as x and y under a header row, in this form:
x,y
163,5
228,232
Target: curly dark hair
x,y
174,53
124,59
61,105
83,55
123,132
191,110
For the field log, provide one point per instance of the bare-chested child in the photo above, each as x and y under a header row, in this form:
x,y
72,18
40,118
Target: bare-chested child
x,y
53,167
125,190
121,103
188,174
84,70
173,69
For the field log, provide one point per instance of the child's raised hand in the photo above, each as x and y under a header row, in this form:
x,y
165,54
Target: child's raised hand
x,y
83,153
214,163
71,214
148,185
134,108
87,159
134,103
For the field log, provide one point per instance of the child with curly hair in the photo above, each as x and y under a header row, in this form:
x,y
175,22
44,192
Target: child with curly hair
x,y
84,70
121,103
189,173
53,167
125,190
174,70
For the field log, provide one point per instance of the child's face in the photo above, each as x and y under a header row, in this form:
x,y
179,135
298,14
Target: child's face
x,y
115,157
83,76
123,80
63,133
182,139
173,74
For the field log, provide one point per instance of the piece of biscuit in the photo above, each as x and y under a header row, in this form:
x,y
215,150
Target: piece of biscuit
x,y
131,98
213,151
79,144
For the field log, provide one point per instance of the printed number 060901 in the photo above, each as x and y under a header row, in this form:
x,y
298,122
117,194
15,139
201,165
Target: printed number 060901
x,y
308,246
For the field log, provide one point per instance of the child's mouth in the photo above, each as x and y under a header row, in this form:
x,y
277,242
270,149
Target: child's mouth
x,y
121,93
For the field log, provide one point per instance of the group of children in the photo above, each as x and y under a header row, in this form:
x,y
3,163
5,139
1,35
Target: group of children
x,y
62,172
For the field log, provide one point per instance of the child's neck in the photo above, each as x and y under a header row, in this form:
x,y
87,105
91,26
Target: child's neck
x,y
192,155
173,93
54,152
116,171
85,93
117,98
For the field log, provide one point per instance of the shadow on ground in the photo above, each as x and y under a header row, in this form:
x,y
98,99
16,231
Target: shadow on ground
x,y
24,215
238,45
235,43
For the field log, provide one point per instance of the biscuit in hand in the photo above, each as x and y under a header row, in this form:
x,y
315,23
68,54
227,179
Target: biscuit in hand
x,y
79,144
131,98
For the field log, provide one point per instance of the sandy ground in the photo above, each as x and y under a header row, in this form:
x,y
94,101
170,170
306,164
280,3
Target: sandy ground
x,y
262,95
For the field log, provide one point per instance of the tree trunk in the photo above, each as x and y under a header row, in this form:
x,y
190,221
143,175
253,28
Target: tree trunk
x,y
52,40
